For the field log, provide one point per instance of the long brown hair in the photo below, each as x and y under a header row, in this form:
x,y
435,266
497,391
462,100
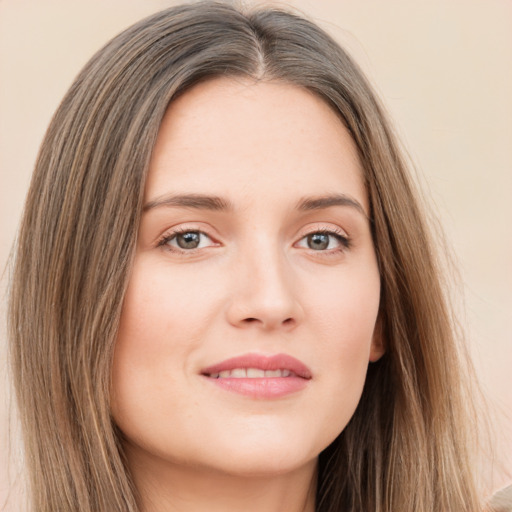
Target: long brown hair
x,y
406,447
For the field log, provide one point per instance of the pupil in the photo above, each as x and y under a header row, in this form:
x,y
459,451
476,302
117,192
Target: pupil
x,y
188,240
318,241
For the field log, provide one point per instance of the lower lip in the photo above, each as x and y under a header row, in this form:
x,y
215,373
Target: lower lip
x,y
264,388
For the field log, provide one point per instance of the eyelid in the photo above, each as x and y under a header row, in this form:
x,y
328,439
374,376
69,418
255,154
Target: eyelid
x,y
340,234
332,230
172,233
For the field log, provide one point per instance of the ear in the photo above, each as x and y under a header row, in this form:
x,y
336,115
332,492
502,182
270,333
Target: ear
x,y
377,348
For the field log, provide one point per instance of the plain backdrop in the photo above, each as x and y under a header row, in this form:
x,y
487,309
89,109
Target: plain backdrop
x,y
443,69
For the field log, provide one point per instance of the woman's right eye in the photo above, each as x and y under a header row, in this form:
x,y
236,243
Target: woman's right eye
x,y
187,240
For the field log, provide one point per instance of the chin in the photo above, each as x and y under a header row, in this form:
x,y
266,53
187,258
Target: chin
x,y
263,453
264,465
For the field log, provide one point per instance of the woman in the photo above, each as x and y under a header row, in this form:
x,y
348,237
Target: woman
x,y
234,303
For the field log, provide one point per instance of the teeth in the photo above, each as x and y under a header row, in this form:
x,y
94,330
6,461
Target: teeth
x,y
254,373
250,373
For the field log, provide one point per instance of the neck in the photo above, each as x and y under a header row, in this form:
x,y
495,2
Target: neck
x,y
165,487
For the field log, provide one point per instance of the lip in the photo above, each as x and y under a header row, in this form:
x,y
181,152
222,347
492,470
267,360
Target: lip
x,y
261,387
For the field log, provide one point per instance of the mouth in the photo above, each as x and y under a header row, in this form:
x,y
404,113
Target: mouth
x,y
251,373
260,376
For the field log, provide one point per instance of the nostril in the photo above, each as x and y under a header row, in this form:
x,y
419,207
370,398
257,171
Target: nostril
x,y
252,320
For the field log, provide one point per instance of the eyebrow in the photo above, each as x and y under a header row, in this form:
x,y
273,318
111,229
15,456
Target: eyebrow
x,y
216,203
322,202
196,201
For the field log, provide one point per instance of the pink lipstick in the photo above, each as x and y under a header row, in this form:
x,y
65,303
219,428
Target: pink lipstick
x,y
260,376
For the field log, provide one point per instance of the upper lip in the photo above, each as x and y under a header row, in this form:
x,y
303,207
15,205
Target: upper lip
x,y
262,362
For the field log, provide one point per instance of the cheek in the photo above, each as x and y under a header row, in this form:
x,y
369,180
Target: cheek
x,y
163,310
160,327
346,316
345,309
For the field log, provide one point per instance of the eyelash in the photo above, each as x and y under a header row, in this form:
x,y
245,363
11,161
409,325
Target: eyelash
x,y
344,241
167,237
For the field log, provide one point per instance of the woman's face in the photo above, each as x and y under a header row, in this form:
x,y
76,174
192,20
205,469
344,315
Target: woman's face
x,y
249,319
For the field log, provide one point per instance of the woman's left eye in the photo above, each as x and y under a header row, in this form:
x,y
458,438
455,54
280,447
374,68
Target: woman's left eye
x,y
324,241
187,240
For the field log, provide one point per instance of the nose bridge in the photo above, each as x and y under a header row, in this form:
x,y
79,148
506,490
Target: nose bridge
x,y
264,288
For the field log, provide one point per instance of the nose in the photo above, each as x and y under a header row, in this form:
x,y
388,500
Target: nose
x,y
265,293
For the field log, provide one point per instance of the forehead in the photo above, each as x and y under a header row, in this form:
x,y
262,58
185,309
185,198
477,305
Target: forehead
x,y
246,137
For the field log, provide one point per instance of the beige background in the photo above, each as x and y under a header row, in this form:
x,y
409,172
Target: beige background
x,y
444,71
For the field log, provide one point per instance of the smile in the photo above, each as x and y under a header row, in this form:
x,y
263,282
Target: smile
x,y
259,376
251,373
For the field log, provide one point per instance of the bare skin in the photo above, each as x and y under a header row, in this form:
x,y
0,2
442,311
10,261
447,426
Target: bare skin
x,y
255,244
181,489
